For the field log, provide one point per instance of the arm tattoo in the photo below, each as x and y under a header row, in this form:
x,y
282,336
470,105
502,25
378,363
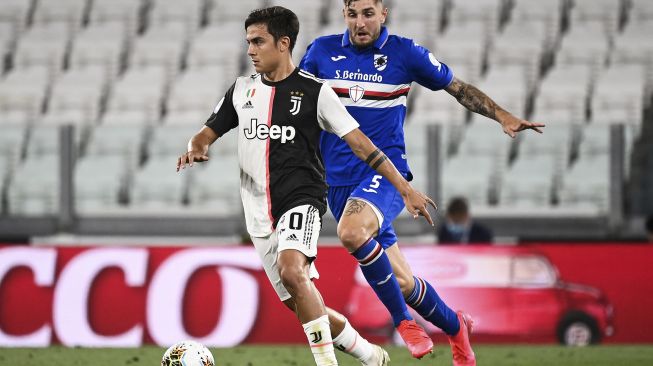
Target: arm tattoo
x,y
379,161
372,156
354,207
376,159
473,99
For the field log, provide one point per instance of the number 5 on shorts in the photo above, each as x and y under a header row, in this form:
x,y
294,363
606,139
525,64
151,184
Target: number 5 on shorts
x,y
375,184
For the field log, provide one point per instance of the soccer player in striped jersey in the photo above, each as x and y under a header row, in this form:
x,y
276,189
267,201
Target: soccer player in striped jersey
x,y
371,71
279,114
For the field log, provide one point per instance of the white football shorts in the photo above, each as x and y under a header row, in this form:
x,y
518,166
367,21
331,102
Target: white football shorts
x,y
298,229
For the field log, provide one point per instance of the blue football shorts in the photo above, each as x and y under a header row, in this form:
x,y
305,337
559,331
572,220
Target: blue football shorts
x,y
381,194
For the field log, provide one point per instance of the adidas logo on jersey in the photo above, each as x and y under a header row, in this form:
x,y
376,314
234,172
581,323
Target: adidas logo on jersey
x,y
248,105
292,237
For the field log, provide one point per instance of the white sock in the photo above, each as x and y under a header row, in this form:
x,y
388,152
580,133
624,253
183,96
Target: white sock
x,y
350,342
319,339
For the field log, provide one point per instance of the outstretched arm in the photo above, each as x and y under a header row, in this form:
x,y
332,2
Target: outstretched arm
x,y
476,101
366,150
198,148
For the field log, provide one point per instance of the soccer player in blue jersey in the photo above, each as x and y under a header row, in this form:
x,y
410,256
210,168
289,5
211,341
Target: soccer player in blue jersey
x,y
372,72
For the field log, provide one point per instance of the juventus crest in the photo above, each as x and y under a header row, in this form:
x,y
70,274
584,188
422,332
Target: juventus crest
x,y
296,101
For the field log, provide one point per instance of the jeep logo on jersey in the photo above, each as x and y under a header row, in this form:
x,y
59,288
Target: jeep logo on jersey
x,y
296,100
274,132
380,62
356,92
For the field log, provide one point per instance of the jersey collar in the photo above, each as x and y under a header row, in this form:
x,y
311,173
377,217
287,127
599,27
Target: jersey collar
x,y
379,43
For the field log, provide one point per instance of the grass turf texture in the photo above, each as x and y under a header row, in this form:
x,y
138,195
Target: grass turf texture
x,y
503,355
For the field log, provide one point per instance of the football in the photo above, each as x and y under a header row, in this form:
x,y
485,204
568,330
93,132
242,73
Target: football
x,y
187,353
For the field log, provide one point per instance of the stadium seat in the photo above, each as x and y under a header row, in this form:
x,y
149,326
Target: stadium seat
x,y
641,11
163,45
140,89
24,90
633,46
27,196
99,181
8,35
464,44
595,140
44,141
11,142
80,89
157,188
215,186
436,107
16,117
560,140
473,177
43,45
621,95
585,44
228,54
129,118
101,45
521,43
530,181
122,141
606,12
565,88
420,21
190,12
169,140
543,16
15,11
415,30
510,86
196,90
72,12
488,12
225,10
586,185
128,11
485,137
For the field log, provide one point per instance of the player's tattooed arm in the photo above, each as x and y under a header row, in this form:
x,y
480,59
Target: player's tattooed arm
x,y
375,159
476,101
416,202
473,99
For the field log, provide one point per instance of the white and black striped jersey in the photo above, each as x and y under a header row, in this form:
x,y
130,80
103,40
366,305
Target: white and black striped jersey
x,y
279,126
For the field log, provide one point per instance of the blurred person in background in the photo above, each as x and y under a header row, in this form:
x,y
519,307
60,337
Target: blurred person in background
x,y
460,228
371,71
279,114
649,228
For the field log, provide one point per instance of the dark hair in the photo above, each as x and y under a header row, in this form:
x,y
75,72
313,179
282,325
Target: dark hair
x,y
649,224
458,206
281,22
348,2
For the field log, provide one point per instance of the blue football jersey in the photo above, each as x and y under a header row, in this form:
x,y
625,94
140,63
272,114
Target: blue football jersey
x,y
373,84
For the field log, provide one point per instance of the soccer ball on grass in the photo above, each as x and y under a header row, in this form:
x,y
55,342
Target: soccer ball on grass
x,y
187,353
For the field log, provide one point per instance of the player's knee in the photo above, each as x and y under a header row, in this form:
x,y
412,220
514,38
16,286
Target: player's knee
x,y
293,278
352,237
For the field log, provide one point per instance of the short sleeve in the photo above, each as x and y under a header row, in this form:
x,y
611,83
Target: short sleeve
x,y
308,62
332,115
425,69
224,116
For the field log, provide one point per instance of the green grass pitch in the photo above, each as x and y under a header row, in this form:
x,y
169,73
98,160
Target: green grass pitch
x,y
503,355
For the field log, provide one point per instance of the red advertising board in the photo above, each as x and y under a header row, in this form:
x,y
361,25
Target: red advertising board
x,y
128,296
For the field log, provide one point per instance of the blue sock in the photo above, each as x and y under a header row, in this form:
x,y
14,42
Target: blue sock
x,y
376,268
430,306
